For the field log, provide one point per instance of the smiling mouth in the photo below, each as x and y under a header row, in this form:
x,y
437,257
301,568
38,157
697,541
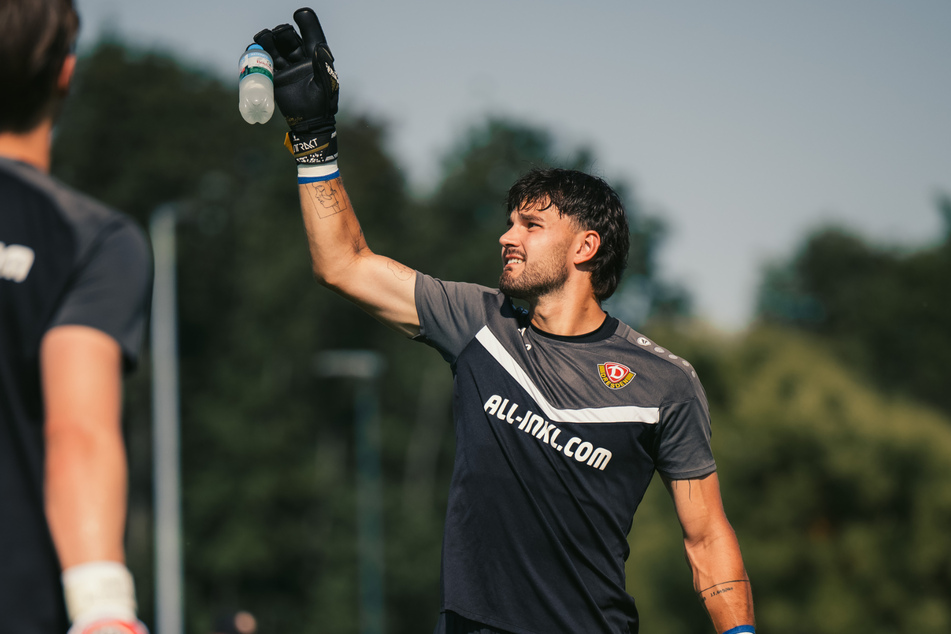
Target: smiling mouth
x,y
511,260
510,263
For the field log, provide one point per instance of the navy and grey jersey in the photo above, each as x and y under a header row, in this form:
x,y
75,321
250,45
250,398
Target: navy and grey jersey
x,y
557,439
64,260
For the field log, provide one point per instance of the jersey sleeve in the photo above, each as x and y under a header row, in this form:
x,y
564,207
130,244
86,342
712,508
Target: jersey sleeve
x,y
684,449
111,289
450,313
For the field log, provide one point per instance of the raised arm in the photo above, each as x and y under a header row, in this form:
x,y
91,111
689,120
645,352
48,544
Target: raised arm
x,y
306,91
342,261
713,553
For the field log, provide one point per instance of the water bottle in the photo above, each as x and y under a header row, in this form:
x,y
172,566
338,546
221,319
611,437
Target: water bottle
x,y
256,85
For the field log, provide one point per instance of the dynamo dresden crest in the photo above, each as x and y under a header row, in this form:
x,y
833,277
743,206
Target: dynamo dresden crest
x,y
615,375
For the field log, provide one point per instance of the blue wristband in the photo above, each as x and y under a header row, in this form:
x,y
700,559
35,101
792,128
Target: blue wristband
x,y
303,180
742,629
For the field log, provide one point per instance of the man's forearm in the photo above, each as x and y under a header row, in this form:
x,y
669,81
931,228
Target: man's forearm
x,y
86,494
85,465
334,235
720,579
85,508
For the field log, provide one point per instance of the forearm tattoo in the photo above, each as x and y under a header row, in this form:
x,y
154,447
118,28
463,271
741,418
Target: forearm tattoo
x,y
327,199
721,588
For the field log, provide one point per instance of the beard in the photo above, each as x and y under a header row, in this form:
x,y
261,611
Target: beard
x,y
535,280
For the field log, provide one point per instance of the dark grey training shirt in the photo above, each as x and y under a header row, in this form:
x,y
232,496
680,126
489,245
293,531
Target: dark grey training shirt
x,y
64,259
557,439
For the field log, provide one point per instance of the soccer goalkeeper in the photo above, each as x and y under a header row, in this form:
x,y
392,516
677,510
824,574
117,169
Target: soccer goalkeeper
x,y
562,413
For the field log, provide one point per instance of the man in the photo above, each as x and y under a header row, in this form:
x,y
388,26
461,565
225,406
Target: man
x,y
75,278
562,412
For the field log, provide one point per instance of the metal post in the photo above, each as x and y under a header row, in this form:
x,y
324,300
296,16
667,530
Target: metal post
x,y
365,366
169,618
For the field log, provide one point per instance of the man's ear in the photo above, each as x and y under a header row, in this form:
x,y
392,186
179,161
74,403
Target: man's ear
x,y
66,73
587,247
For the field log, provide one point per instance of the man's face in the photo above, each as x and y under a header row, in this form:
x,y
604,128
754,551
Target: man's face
x,y
535,252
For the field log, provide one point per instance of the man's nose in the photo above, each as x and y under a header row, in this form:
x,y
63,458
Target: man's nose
x,y
507,239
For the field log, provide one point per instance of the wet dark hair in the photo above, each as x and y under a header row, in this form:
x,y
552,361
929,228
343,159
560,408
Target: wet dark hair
x,y
593,205
35,38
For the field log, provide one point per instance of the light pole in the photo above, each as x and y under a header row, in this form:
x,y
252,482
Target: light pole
x,y
169,617
365,366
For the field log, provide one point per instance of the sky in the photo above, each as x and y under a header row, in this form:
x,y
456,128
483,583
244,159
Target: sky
x,y
743,124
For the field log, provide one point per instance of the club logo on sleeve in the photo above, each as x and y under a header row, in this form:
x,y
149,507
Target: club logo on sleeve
x,y
615,375
16,261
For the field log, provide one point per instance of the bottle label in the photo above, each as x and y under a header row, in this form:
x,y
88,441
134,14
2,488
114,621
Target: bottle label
x,y
254,62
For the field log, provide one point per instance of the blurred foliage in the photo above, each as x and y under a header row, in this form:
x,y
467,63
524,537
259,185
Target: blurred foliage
x,y
886,311
839,494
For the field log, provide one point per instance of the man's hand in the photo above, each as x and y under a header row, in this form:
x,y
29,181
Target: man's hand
x,y
305,86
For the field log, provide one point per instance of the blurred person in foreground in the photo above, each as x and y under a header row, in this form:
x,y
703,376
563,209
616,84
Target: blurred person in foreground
x,y
562,413
75,279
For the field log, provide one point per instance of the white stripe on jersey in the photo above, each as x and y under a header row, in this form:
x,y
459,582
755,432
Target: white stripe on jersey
x,y
624,414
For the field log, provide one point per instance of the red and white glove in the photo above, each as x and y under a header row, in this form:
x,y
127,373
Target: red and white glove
x,y
100,599
110,626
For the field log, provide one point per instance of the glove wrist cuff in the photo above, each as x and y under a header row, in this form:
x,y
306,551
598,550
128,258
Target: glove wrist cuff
x,y
307,173
311,148
99,589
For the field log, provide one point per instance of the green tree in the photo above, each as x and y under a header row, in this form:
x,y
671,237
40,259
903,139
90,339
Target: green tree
x,y
884,310
838,494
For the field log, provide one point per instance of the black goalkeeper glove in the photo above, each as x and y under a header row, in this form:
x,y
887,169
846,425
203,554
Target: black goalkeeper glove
x,y
305,86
